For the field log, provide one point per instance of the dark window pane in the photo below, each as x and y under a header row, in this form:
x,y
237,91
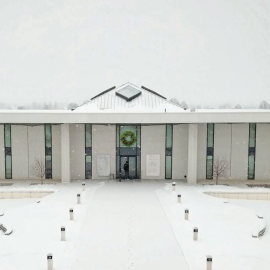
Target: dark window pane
x,y
168,167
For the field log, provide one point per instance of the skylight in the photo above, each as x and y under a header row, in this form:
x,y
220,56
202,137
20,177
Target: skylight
x,y
128,93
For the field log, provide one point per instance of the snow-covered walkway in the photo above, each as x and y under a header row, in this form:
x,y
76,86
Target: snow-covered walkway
x,y
125,228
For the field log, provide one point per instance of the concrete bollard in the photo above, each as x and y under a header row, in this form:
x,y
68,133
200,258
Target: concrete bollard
x,y
209,262
50,261
195,233
173,186
63,233
71,214
83,186
78,198
186,214
179,198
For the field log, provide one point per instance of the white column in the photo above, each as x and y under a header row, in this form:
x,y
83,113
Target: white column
x,y
65,154
192,153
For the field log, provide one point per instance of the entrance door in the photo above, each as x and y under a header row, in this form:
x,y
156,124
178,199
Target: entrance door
x,y
132,167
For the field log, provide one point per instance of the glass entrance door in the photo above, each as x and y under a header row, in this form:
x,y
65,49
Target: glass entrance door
x,y
132,167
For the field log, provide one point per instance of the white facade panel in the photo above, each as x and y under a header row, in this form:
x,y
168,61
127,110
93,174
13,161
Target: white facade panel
x,y
56,151
262,155
19,151
180,151
2,153
103,144
153,143
36,142
239,160
223,144
77,151
201,148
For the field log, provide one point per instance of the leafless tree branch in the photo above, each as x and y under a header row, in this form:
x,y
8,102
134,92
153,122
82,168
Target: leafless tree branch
x,y
220,168
38,168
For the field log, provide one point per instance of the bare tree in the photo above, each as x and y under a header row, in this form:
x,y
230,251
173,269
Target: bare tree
x,y
220,168
264,105
175,101
238,106
38,169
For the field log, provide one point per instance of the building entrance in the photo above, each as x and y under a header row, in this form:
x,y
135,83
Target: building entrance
x,y
128,152
132,167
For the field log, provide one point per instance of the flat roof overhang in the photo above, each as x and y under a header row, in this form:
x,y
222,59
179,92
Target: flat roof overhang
x,y
60,117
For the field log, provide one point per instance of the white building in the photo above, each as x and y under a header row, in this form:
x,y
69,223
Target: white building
x,y
168,141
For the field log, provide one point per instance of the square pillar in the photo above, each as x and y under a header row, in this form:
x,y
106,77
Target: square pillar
x,y
192,153
65,154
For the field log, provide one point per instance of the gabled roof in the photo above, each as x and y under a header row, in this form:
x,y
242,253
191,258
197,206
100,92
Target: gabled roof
x,y
129,97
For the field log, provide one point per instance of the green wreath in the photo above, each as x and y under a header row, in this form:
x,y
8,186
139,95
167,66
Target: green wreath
x,y
132,138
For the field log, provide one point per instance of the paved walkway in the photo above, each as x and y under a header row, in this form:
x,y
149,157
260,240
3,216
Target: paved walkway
x,y
126,228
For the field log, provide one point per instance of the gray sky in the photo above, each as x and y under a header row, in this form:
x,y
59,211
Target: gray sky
x,y
205,52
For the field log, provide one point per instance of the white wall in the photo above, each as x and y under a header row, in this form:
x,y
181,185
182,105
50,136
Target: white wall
x,y
262,155
19,150
222,144
180,151
2,153
56,151
239,160
103,143
202,144
153,143
36,140
77,151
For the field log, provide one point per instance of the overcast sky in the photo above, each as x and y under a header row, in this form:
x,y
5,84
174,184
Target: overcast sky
x,y
204,52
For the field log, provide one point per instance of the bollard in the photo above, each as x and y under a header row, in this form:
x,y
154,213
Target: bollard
x,y
83,186
50,261
63,233
195,234
173,186
186,214
71,215
209,262
78,198
179,198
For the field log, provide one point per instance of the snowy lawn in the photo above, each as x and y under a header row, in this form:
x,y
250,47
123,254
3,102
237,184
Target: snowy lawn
x,y
225,229
136,226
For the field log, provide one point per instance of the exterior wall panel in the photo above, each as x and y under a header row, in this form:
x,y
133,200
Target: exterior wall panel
x,y
262,155
19,149
153,143
239,161
2,153
103,143
180,151
56,151
36,142
202,144
77,151
222,144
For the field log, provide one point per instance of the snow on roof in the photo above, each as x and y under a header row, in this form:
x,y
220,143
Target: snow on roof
x,y
134,99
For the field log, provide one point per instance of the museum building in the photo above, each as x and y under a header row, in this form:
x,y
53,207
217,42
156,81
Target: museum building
x,y
160,140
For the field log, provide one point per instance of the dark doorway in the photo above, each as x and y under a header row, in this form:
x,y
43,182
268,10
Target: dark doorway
x,y
132,160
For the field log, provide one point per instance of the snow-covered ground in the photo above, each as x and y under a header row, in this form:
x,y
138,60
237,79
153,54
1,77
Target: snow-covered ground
x,y
133,225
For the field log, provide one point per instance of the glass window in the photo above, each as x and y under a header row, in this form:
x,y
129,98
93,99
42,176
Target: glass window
x,y
210,135
8,167
169,135
7,135
48,151
48,136
8,157
251,151
169,144
210,151
88,142
168,167
88,151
